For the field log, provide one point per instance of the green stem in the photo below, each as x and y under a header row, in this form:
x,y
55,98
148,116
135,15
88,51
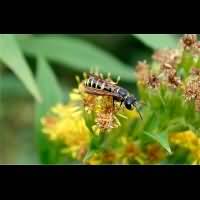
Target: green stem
x,y
186,63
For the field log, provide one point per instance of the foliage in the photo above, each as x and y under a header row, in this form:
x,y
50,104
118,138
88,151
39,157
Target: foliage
x,y
167,111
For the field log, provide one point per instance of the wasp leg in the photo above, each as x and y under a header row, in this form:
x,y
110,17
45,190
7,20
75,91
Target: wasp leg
x,y
121,103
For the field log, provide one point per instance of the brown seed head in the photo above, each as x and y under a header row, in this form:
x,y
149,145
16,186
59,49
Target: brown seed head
x,y
170,56
142,72
169,75
189,40
197,104
153,81
106,121
155,152
192,90
195,71
131,150
108,157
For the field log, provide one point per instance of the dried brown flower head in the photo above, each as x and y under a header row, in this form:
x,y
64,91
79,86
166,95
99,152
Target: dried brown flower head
x,y
169,75
105,121
153,81
195,71
189,40
192,88
197,104
102,109
108,157
155,152
174,81
145,77
166,67
106,118
142,72
131,150
169,56
89,102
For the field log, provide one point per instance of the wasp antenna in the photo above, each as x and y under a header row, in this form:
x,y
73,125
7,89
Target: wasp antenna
x,y
138,112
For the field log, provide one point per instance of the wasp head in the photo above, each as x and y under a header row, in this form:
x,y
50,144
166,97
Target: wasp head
x,y
130,103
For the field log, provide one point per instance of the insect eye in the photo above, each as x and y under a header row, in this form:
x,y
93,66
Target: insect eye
x,y
129,103
128,106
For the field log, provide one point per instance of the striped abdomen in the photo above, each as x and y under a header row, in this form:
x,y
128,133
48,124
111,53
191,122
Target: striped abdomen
x,y
99,84
108,87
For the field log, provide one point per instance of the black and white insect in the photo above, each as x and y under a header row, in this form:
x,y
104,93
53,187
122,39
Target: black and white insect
x,y
96,85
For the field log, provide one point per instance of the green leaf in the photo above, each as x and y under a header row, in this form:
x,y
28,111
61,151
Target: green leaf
x,y
157,41
186,64
52,95
162,139
76,53
12,57
11,87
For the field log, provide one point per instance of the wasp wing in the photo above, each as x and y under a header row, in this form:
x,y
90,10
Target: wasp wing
x,y
99,92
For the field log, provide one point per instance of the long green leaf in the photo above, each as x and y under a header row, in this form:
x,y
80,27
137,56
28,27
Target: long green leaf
x,y
12,57
76,53
157,41
52,95
162,139
11,87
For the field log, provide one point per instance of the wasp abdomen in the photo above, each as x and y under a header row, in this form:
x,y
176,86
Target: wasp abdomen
x,y
94,83
108,89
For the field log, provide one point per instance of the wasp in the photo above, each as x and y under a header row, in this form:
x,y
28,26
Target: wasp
x,y
96,85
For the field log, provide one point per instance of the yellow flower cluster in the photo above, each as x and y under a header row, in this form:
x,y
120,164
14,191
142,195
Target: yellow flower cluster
x,y
155,153
130,152
67,126
66,123
188,140
127,152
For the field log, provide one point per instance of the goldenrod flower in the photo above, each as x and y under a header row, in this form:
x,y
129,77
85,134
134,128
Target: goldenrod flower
x,y
95,159
188,140
130,151
155,153
102,110
67,126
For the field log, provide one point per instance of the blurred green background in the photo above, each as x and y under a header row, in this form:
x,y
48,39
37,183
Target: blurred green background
x,y
23,80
